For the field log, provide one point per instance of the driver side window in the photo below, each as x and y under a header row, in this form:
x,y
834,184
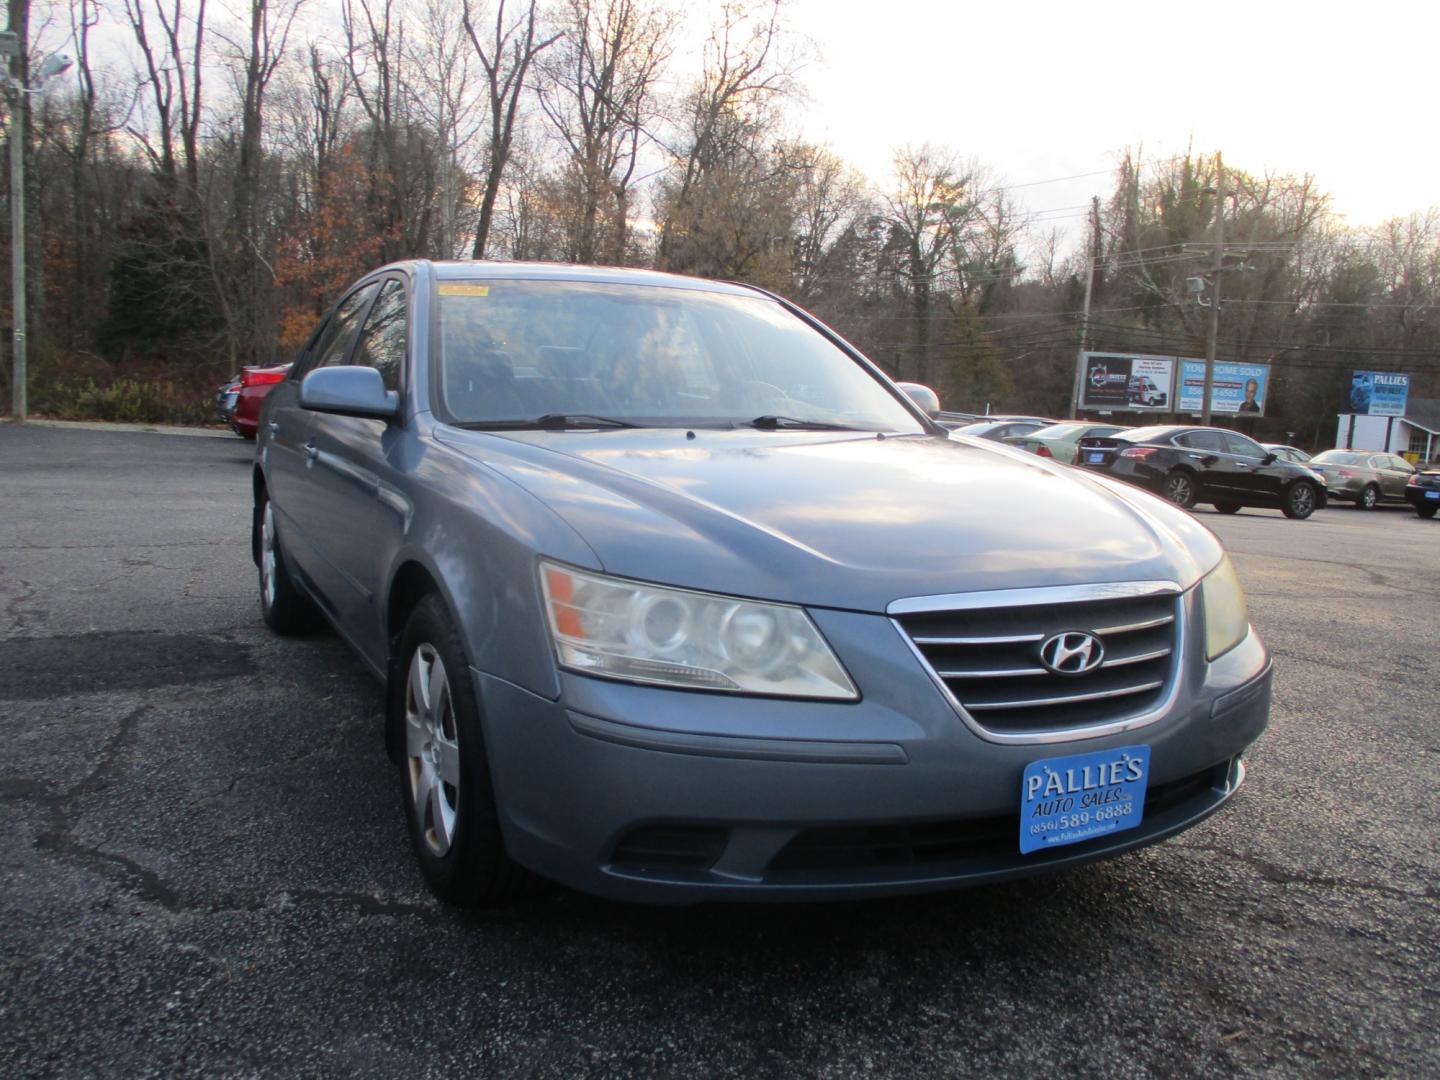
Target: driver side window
x,y
1240,446
337,337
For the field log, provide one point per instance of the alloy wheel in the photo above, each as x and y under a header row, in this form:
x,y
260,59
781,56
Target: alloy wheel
x,y
267,556
1178,490
432,749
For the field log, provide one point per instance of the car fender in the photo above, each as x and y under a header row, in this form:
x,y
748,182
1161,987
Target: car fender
x,y
477,543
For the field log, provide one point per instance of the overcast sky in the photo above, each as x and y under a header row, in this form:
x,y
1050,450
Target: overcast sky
x,y
1037,90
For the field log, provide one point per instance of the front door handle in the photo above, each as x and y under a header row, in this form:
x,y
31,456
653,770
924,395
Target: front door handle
x,y
312,451
274,427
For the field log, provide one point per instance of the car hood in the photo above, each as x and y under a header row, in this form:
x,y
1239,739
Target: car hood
x,y
838,519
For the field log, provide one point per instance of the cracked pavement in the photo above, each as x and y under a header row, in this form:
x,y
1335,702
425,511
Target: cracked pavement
x,y
204,869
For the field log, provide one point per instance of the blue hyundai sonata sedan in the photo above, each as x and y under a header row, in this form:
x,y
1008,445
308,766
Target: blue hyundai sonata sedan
x,y
676,597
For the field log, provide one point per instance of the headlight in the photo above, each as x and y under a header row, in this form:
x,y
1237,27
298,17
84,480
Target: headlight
x,y
1227,620
651,634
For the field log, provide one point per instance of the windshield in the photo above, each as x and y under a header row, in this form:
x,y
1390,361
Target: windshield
x,y
1339,457
515,352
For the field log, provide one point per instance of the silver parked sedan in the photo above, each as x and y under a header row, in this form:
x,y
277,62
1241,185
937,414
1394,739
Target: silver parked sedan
x,y
1363,477
676,597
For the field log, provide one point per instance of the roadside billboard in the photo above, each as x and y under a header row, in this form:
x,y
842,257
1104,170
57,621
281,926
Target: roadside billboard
x,y
1236,388
1379,393
1126,382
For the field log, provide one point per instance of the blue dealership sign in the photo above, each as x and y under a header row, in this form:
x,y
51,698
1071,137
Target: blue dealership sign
x,y
1379,393
1236,388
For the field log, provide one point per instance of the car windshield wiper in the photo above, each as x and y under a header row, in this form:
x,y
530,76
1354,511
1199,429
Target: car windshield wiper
x,y
770,422
567,421
550,422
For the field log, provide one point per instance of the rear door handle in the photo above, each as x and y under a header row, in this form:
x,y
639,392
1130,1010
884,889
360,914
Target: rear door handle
x,y
312,451
274,427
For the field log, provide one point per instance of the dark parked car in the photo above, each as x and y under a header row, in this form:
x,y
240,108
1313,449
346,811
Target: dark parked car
x,y
676,597
225,399
1199,464
1363,477
1422,491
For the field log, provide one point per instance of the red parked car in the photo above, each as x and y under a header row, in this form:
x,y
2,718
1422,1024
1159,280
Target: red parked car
x,y
255,383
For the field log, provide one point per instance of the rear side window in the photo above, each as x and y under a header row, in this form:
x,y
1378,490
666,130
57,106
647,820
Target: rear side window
x,y
1203,440
382,346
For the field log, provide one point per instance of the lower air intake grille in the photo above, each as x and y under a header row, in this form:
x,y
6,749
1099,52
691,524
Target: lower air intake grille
x,y
990,660
669,847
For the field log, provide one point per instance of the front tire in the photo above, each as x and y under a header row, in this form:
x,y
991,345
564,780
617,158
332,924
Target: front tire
x,y
1227,507
1426,511
1368,498
284,607
1179,488
1300,500
445,779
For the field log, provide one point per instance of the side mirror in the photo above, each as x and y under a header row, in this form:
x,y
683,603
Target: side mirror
x,y
923,396
349,391
1270,459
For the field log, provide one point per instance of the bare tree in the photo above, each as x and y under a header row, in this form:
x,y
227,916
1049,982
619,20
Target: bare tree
x,y
506,54
727,114
446,101
172,77
832,198
598,88
930,202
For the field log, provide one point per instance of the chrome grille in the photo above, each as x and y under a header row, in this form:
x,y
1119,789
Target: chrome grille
x,y
988,659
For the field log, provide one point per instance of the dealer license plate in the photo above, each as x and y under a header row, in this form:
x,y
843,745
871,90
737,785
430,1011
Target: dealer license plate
x,y
1432,494
1065,800
1095,456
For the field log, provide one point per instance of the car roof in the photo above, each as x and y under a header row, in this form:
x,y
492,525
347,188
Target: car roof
x,y
502,269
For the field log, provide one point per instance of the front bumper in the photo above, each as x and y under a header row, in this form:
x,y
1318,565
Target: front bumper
x,y
654,795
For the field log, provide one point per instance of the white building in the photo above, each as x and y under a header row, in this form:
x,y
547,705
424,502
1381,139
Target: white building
x,y
1417,432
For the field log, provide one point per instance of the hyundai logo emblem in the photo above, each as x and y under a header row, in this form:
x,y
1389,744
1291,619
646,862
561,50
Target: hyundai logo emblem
x,y
1074,652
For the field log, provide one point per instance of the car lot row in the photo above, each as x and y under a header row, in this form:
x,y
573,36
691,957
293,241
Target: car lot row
x,y
1189,463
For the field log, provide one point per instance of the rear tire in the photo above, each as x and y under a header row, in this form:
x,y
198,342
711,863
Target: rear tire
x,y
1300,500
1368,498
445,783
1179,488
286,609
1227,507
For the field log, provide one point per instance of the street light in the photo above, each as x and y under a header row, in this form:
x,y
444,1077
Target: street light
x,y
16,91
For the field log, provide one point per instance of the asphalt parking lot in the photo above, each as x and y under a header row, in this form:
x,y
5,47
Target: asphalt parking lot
x,y
204,868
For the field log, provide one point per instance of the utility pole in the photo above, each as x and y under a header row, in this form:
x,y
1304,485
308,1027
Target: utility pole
x,y
11,47
1084,340
1211,344
1090,262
